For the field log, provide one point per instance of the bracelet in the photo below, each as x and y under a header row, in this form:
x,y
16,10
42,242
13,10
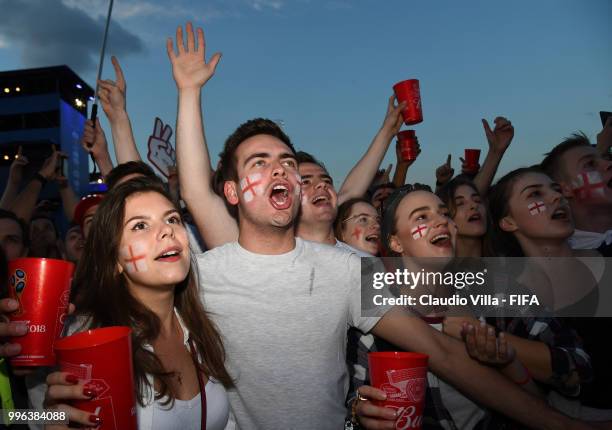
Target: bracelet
x,y
41,178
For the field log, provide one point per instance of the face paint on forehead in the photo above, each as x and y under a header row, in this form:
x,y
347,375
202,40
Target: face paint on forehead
x,y
588,185
135,257
536,208
251,186
419,231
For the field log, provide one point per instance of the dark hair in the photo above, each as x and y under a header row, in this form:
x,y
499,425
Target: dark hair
x,y
343,210
107,301
25,234
551,164
305,157
389,222
129,168
253,127
448,190
500,242
377,187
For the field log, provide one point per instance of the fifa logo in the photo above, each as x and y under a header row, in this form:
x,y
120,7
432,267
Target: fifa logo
x,y
17,284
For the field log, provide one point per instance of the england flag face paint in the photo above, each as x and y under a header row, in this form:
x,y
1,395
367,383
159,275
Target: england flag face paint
x,y
134,256
251,186
536,208
419,231
588,185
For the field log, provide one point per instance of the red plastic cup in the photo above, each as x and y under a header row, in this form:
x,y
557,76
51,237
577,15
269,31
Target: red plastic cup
x,y
42,288
408,145
471,160
402,376
102,359
409,92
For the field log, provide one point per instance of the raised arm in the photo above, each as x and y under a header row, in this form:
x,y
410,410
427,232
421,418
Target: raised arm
x,y
191,72
360,177
401,169
499,139
94,142
14,180
24,204
449,360
113,97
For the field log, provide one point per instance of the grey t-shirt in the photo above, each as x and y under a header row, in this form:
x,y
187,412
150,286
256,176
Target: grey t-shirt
x,y
284,319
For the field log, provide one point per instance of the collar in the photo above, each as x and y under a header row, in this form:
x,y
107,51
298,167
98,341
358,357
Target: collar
x,y
589,239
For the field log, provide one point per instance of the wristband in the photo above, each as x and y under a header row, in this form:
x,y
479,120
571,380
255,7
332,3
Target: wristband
x,y
41,178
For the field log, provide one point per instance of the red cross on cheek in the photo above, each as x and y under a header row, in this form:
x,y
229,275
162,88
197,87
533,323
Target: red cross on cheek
x,y
356,233
419,231
133,261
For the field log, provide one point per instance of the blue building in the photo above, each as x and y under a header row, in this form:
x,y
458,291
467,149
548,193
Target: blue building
x,y
40,108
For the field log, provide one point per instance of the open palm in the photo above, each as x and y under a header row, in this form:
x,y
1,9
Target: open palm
x,y
189,67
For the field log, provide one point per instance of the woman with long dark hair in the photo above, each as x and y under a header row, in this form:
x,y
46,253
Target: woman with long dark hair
x,y
178,356
532,218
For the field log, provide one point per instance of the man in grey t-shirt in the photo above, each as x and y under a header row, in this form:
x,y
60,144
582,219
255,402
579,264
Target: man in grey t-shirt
x,y
283,305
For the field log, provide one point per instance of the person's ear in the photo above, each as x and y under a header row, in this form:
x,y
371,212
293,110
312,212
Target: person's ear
x,y
395,244
231,193
508,224
119,268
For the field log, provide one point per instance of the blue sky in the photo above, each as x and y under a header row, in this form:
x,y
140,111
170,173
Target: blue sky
x,y
326,68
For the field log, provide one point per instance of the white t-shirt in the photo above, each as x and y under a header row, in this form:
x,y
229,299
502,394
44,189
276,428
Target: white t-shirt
x,y
284,320
346,247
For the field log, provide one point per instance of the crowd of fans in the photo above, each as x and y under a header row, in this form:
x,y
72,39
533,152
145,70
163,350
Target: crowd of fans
x,y
272,309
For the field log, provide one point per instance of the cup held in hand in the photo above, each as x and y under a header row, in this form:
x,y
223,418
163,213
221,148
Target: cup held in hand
x,y
471,160
408,145
102,359
41,286
403,378
409,92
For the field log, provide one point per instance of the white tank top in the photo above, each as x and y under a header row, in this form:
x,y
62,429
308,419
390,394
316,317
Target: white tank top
x,y
186,414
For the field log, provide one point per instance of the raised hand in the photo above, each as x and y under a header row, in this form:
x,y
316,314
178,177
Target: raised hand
x,y
393,118
189,66
93,139
112,94
49,169
16,169
398,154
500,137
445,172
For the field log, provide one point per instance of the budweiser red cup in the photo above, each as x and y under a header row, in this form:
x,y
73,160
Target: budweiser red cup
x,y
471,160
42,288
408,145
402,376
409,92
102,359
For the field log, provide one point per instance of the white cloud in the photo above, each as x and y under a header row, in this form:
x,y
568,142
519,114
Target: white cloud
x,y
127,9
3,42
263,4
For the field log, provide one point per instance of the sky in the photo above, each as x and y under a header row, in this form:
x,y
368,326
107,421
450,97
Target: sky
x,y
326,68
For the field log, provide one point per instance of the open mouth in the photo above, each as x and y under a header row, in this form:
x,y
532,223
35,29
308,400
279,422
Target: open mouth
x,y
475,217
560,214
320,200
442,240
279,196
169,255
372,238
